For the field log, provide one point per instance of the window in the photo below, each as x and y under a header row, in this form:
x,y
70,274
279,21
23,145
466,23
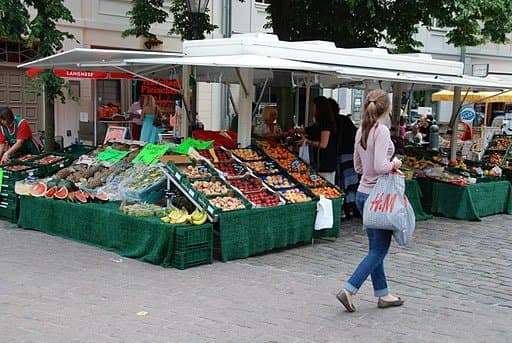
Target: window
x,y
15,52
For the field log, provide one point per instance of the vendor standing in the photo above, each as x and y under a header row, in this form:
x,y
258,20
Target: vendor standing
x,y
15,136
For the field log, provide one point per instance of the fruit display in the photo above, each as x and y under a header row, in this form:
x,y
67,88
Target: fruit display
x,y
227,203
247,154
216,155
448,177
493,159
195,171
49,159
278,181
327,191
176,216
295,195
143,210
209,188
412,162
231,170
247,184
293,164
264,198
500,144
266,167
17,167
308,179
149,177
25,158
278,152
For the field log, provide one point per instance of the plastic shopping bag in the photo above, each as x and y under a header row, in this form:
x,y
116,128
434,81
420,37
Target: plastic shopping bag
x,y
304,152
324,216
388,208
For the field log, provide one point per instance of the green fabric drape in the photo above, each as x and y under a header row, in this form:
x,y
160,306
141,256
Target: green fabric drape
x,y
414,194
249,232
473,201
103,225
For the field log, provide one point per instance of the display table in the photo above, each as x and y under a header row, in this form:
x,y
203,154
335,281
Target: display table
x,y
415,195
249,232
471,202
101,225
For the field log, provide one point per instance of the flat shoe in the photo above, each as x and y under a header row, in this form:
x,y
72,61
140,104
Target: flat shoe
x,y
342,297
385,304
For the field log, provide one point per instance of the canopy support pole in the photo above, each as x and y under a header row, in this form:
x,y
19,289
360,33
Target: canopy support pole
x,y
454,122
246,76
242,83
184,122
308,93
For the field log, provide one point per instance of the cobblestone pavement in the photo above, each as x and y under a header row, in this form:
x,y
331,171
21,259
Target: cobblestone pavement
x,y
456,280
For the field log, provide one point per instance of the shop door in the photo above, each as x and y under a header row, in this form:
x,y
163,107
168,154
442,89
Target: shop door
x,y
13,83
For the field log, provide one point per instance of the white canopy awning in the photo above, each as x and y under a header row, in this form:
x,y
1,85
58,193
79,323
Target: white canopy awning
x,y
92,59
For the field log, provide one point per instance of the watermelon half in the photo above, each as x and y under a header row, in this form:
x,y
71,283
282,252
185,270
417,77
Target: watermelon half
x,y
38,189
50,192
62,193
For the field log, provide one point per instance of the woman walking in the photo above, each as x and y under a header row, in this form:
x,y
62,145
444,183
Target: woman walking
x,y
372,158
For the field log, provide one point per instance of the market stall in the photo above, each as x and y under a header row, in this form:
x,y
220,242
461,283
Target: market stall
x,y
463,189
253,210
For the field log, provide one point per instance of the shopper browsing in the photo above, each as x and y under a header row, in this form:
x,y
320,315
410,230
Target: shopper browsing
x,y
15,136
135,112
372,158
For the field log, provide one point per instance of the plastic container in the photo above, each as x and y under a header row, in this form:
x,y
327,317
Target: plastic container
x,y
191,237
192,257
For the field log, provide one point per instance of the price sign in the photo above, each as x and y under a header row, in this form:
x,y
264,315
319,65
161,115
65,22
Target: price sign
x,y
314,177
177,175
191,192
238,168
202,169
269,165
295,164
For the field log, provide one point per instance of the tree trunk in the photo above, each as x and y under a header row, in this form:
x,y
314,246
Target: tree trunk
x,y
49,125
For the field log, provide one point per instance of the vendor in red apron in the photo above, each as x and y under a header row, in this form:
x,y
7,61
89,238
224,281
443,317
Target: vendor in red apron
x,y
15,136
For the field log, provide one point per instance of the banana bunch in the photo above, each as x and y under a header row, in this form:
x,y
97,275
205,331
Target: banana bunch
x,y
177,216
198,217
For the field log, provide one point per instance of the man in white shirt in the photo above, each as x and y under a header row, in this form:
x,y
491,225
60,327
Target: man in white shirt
x,y
135,112
414,136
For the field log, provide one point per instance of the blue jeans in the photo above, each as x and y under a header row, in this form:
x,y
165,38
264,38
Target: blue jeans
x,y
373,263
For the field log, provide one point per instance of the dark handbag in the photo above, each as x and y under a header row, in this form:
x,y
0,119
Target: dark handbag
x,y
157,120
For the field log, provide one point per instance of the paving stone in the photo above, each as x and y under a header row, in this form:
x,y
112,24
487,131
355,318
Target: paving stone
x,y
455,279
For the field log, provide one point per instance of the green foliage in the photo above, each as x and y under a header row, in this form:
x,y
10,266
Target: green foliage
x,y
142,15
184,27
14,19
17,25
369,23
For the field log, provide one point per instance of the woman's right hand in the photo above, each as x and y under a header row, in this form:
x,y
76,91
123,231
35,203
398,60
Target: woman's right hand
x,y
396,163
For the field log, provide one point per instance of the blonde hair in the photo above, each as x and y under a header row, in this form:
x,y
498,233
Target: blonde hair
x,y
149,105
376,105
268,112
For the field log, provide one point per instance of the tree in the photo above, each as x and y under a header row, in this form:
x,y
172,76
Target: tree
x,y
42,34
369,23
144,13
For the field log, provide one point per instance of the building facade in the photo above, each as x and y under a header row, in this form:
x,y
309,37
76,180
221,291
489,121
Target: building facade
x,y
99,24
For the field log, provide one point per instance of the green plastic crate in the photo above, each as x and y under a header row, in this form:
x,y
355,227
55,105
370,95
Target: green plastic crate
x,y
192,258
189,237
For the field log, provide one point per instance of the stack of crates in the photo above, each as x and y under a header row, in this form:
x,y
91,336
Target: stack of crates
x,y
193,246
9,200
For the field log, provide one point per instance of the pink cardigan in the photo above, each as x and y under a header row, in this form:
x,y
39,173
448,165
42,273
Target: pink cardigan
x,y
376,159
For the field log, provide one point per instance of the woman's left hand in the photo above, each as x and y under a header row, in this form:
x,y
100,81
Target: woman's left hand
x,y
5,158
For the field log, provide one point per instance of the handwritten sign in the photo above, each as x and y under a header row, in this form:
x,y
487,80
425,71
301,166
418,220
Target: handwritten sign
x,y
295,164
115,132
313,177
112,155
151,153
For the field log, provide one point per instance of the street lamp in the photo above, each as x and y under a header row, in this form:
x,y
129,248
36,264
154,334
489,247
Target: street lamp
x,y
196,10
